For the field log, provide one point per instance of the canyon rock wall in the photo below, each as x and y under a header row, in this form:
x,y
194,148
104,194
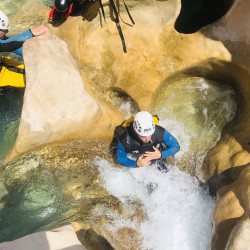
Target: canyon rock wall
x,y
155,52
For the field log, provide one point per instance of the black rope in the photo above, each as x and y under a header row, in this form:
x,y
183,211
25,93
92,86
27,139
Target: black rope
x,y
132,20
100,2
118,26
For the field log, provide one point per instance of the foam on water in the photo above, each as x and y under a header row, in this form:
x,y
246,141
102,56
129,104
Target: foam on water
x,y
179,210
126,108
180,132
195,111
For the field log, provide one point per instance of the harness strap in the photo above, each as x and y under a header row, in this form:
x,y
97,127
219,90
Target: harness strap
x,y
100,2
118,26
131,19
117,20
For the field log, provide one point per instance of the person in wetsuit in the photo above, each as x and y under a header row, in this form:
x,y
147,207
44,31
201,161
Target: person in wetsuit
x,y
14,44
144,143
65,8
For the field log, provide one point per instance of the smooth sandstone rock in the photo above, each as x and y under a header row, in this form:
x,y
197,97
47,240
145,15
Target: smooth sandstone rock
x,y
239,238
231,216
155,49
56,106
155,52
233,31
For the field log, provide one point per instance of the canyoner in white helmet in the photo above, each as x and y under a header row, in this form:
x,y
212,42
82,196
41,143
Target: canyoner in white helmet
x,y
14,44
12,72
144,124
143,142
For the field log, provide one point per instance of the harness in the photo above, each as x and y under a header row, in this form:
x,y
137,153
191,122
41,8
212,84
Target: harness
x,y
117,21
132,143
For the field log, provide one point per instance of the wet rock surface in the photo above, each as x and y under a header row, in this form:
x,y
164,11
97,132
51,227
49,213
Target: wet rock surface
x,y
155,52
67,180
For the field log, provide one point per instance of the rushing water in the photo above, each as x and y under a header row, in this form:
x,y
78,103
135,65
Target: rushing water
x,y
195,110
179,210
11,101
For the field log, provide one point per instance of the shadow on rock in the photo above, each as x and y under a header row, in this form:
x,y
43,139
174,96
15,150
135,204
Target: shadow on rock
x,y
225,178
195,14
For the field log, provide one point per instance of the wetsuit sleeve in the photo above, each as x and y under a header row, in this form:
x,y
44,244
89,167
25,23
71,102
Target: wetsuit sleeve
x,y
171,143
10,46
122,158
19,38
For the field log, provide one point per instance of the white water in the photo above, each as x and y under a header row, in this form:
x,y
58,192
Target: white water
x,y
179,211
195,112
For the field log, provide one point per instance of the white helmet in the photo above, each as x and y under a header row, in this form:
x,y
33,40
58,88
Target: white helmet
x,y
144,124
4,21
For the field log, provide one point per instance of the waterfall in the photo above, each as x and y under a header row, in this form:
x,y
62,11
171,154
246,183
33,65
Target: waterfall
x,y
179,210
